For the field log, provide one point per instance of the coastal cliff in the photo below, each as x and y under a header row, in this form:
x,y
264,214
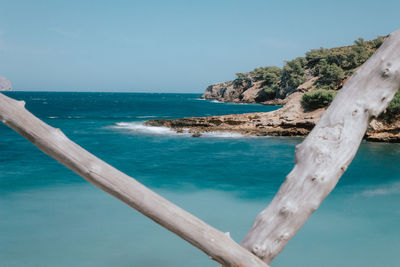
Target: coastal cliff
x,y
324,69
305,86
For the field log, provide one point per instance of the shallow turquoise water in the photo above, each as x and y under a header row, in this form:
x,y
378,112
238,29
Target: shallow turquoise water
x,y
51,217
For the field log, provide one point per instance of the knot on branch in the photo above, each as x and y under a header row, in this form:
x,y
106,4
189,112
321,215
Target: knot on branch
x,y
259,251
387,71
317,178
288,209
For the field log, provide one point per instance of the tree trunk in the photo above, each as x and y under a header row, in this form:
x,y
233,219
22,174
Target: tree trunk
x,y
325,154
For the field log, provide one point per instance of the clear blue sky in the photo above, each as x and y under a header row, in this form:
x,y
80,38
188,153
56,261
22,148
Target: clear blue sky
x,y
170,46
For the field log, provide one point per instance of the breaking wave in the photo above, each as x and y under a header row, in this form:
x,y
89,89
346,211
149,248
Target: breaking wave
x,y
140,128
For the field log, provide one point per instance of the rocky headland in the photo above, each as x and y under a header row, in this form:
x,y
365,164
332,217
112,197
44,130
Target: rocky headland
x,y
305,87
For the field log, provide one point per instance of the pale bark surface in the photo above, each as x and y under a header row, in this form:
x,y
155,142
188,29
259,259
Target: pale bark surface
x,y
325,154
219,246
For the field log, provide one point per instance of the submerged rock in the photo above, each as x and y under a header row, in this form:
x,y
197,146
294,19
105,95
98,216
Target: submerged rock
x,y
196,134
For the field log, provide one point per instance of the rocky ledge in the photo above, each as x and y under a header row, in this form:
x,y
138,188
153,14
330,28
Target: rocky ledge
x,y
290,120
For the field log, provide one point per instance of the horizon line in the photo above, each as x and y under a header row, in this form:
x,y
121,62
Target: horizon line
x,y
101,91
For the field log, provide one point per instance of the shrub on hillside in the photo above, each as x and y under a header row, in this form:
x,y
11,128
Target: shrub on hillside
x,y
243,82
394,106
265,94
362,53
331,76
270,74
393,109
241,75
343,57
270,77
318,98
270,92
314,57
378,41
293,73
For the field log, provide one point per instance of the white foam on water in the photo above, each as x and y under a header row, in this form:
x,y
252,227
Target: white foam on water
x,y
383,190
140,128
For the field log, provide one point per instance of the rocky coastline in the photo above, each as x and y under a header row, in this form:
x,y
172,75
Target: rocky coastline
x,y
290,120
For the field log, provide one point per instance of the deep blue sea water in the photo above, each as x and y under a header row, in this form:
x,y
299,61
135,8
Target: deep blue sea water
x,y
51,217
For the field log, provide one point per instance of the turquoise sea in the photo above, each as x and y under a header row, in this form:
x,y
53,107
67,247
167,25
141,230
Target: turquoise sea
x,y
51,217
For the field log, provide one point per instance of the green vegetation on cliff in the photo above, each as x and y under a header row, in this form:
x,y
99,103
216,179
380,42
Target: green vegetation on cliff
x,y
319,74
294,74
271,77
394,106
330,67
393,110
317,98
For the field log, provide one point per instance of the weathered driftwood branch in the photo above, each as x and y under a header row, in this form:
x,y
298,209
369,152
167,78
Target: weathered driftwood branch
x,y
320,161
325,154
53,142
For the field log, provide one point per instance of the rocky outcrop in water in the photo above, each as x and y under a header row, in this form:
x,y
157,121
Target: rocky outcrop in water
x,y
5,84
